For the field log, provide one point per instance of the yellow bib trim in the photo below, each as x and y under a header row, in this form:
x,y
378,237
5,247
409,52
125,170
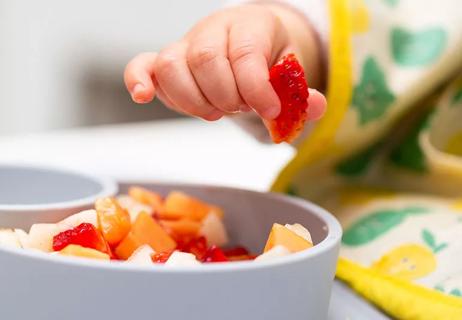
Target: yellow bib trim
x,y
338,96
398,297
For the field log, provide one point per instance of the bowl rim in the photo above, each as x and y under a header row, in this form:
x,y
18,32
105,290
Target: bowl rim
x,y
108,188
330,242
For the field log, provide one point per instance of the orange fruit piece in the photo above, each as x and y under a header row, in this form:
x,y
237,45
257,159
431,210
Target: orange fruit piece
x,y
180,205
283,236
145,230
79,251
182,227
145,196
113,220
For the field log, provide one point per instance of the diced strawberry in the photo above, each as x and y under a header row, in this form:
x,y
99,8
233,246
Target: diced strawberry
x,y
161,257
196,246
288,80
85,235
235,251
214,254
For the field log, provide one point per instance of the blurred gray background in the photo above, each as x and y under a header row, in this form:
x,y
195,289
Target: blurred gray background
x,y
61,62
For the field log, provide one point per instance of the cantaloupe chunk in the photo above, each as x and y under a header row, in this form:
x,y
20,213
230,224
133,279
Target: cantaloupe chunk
x,y
79,251
281,235
114,221
127,246
147,197
180,205
145,230
182,227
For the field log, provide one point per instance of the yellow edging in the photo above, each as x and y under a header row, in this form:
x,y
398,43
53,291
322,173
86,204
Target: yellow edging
x,y
338,96
400,298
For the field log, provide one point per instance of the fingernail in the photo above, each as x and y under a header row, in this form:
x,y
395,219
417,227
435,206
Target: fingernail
x,y
271,113
137,90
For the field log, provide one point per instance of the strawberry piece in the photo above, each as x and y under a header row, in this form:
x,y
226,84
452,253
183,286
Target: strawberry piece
x,y
85,235
214,254
196,246
288,80
161,257
235,251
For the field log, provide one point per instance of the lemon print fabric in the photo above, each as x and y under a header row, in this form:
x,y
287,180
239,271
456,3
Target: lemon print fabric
x,y
409,261
372,96
417,48
377,224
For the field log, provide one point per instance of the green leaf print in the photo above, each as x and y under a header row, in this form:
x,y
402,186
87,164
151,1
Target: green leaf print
x,y
457,98
376,224
417,48
292,191
430,241
456,292
358,163
408,153
372,97
391,3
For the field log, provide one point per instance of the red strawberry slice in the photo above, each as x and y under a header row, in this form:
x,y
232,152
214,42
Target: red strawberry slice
x,y
288,80
85,235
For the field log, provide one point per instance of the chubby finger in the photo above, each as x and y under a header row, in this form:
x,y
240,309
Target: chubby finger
x,y
209,64
138,76
250,51
174,77
317,105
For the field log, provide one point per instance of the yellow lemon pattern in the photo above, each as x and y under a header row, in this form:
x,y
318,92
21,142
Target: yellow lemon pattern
x,y
409,261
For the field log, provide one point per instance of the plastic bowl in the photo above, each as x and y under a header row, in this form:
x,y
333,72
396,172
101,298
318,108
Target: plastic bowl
x,y
40,286
30,194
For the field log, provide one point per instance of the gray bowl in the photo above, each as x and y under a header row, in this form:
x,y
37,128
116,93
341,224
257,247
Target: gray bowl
x,y
30,194
39,286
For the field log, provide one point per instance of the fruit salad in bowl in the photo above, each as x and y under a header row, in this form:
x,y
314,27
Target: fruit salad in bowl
x,y
144,228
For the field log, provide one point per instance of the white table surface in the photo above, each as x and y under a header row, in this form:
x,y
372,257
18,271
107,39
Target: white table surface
x,y
175,150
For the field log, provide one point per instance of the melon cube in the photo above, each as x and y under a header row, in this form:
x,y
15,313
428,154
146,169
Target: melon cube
x,y
82,252
280,235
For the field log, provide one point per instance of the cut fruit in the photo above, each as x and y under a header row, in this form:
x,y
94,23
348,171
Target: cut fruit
x,y
145,230
214,254
142,256
180,205
88,216
127,246
41,235
85,235
275,252
147,197
214,230
161,257
82,252
114,221
196,246
182,259
9,238
288,80
281,235
300,230
182,227
133,207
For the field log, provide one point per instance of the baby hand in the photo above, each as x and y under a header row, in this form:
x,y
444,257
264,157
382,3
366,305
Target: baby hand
x,y
220,66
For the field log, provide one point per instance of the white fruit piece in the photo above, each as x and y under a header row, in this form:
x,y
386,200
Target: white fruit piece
x,y
274,253
22,237
41,236
9,238
214,230
181,259
86,216
300,231
133,207
141,256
